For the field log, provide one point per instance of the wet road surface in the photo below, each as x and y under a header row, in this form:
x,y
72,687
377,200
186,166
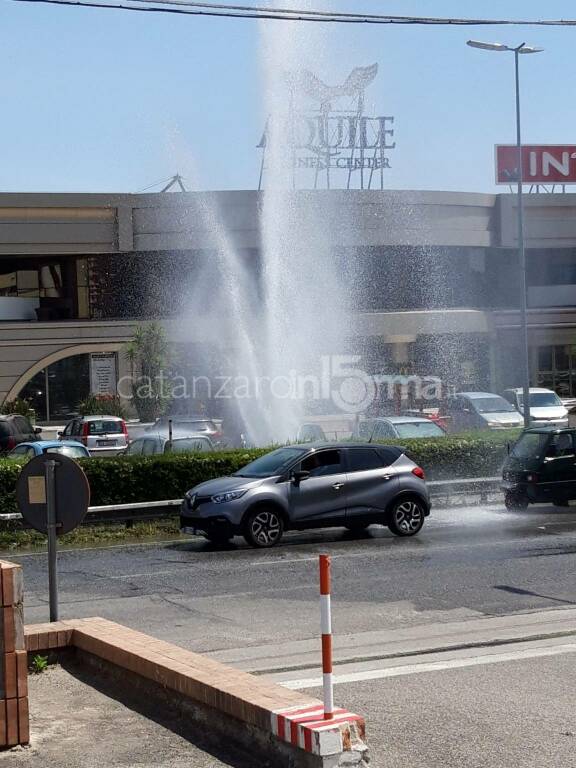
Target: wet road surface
x,y
467,562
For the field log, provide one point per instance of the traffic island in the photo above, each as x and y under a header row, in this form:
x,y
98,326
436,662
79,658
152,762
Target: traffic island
x,y
285,728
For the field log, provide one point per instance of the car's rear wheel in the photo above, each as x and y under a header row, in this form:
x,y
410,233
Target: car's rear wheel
x,y
515,502
263,527
406,517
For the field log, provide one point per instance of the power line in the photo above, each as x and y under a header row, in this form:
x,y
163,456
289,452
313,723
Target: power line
x,y
189,8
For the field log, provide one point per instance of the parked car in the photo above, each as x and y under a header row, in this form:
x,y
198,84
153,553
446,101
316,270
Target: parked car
x,y
302,486
310,433
481,410
386,427
101,434
15,429
541,467
68,448
187,425
546,408
151,446
436,417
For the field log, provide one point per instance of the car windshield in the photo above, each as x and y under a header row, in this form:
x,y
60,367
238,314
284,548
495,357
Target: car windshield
x,y
542,400
419,429
275,463
73,451
530,446
492,405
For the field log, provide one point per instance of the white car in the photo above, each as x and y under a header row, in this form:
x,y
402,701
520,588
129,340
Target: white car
x,y
103,435
546,408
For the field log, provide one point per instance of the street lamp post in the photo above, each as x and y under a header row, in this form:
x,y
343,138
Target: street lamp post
x,y
520,49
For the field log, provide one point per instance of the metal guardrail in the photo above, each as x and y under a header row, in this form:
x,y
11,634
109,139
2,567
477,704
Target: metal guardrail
x,y
154,510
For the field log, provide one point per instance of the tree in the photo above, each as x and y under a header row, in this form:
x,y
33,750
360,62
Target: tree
x,y
149,355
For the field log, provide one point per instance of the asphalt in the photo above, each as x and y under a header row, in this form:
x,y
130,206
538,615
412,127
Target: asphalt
x,y
466,563
514,715
457,646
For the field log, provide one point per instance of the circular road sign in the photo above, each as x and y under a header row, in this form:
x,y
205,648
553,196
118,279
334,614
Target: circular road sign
x,y
72,493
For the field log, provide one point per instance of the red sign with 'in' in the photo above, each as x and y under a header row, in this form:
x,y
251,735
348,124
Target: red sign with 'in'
x,y
541,164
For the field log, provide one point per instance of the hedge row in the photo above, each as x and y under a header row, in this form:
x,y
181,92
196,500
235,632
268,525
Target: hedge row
x,y
125,479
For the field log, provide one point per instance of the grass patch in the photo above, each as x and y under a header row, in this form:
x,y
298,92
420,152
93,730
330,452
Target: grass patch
x,y
24,538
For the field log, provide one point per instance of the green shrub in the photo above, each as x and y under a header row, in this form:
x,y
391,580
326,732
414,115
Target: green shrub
x,y
102,405
126,479
18,405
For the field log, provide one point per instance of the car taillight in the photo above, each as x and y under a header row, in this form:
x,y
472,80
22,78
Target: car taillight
x,y
85,432
125,430
419,472
11,443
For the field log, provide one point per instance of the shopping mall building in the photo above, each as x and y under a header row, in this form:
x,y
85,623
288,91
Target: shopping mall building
x,y
437,291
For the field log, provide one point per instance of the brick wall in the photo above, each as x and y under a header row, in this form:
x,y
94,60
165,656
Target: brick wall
x,y
14,714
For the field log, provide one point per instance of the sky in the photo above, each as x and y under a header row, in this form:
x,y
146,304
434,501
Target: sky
x,y
112,101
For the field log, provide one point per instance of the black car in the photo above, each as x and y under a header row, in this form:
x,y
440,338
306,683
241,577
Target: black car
x,y
541,468
15,429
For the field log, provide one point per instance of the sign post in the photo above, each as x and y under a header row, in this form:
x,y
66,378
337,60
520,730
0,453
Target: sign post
x,y
53,495
50,469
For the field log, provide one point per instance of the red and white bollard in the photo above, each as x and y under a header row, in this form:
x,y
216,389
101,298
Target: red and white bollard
x,y
326,628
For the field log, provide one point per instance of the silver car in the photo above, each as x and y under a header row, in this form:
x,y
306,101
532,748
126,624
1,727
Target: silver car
x,y
310,486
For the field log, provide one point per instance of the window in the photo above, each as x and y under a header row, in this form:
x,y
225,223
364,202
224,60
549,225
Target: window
x,y
150,447
76,428
362,459
23,425
492,405
21,450
561,445
272,464
323,463
74,452
365,429
135,448
530,445
189,444
383,429
105,428
419,429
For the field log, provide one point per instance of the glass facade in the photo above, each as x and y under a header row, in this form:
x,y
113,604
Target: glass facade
x,y
557,369
56,392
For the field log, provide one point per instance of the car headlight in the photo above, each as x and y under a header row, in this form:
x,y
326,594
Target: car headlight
x,y
220,498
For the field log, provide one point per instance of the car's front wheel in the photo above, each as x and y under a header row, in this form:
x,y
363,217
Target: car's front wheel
x,y
515,502
406,517
263,528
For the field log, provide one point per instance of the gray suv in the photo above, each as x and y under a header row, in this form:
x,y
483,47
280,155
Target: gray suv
x,y
310,486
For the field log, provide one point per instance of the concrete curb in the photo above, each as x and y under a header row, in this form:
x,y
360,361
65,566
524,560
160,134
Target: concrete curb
x,y
285,726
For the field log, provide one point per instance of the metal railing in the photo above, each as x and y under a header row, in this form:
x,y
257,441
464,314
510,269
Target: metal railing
x,y
155,510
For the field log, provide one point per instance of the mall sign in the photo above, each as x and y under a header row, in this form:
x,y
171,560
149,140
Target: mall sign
x,y
541,163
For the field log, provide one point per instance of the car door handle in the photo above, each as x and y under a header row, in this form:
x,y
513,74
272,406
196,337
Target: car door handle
x,y
386,477
337,486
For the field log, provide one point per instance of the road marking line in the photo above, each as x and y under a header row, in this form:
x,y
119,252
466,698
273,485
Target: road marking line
x,y
432,666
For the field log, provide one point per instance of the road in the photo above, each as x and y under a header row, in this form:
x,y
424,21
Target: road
x,y
467,562
448,643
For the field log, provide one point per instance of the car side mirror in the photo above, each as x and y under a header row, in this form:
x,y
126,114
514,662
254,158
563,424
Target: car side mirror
x,y
297,477
37,430
60,433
